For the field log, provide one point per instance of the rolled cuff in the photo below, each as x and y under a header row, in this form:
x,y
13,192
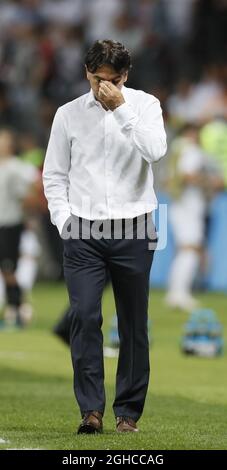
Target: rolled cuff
x,y
124,114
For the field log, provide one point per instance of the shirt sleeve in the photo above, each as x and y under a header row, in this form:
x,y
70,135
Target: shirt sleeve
x,y
56,172
145,131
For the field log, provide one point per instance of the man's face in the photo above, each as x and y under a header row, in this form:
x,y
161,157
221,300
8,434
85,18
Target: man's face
x,y
105,72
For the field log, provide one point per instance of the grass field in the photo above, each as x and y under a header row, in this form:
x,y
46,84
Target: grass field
x,y
186,406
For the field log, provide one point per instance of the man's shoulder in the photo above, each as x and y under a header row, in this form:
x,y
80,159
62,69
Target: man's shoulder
x,y
75,104
141,95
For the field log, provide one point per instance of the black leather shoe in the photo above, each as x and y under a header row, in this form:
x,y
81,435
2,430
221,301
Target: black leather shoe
x,y
91,423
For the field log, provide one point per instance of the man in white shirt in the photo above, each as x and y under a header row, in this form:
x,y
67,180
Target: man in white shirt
x,y
97,174
192,180
17,181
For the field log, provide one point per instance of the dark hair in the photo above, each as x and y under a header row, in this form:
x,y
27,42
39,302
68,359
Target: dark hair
x,y
108,52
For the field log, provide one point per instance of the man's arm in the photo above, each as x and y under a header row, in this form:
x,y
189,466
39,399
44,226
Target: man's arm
x,y
56,172
146,132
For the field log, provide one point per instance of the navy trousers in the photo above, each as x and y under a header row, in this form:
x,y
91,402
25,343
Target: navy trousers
x,y
129,262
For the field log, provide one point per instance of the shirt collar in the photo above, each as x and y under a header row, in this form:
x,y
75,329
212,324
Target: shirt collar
x,y
91,101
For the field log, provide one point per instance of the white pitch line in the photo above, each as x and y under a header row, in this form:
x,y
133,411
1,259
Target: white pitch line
x,y
110,352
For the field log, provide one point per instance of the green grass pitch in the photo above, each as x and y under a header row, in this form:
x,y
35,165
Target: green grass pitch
x,y
186,406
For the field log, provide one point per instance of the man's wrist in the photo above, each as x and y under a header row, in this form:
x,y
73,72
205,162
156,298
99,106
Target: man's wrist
x,y
116,105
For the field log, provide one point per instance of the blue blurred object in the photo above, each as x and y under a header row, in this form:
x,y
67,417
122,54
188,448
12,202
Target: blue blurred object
x,y
114,336
216,279
203,334
162,258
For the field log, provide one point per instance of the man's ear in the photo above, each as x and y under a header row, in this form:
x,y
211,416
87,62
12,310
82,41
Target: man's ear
x,y
87,72
126,77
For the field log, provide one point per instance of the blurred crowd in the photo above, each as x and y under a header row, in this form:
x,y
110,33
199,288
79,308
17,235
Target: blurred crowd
x,y
178,48
179,54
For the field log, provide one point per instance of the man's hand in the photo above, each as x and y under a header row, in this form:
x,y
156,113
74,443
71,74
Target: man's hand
x,y
110,95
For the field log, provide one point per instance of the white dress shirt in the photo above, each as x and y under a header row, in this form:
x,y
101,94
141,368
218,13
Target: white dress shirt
x,y
98,163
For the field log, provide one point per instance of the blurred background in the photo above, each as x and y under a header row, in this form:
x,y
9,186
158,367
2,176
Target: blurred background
x,y
179,54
